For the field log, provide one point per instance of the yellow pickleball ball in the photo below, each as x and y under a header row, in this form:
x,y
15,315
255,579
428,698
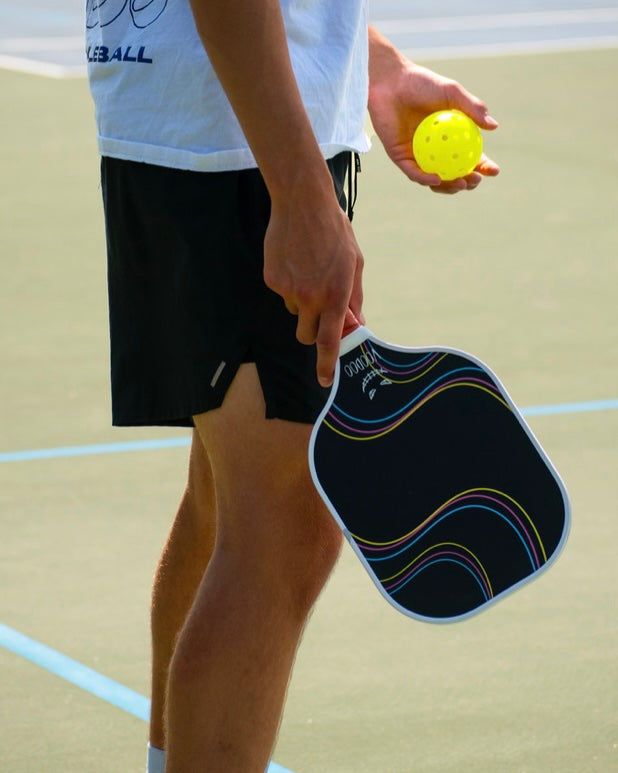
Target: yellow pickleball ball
x,y
447,143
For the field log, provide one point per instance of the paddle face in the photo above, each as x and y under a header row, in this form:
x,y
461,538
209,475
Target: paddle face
x,y
435,479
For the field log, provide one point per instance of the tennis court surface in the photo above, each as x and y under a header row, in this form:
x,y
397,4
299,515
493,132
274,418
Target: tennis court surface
x,y
523,273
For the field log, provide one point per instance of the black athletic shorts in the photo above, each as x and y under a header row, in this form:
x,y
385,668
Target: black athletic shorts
x,y
187,299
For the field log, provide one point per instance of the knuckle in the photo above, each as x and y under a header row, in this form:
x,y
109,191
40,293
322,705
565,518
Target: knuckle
x,y
329,335
305,293
273,280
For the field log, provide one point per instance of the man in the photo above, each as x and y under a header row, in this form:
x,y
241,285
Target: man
x,y
228,289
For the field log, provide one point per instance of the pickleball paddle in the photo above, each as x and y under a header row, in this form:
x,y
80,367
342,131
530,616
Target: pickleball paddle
x,y
434,477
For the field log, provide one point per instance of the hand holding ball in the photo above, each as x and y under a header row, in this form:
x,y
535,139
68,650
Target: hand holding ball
x,y
447,143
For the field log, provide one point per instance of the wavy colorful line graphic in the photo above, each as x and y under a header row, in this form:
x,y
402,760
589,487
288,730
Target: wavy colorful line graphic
x,y
442,552
498,503
416,368
358,428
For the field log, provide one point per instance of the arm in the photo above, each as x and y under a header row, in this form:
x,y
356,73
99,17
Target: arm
x,y
311,256
401,94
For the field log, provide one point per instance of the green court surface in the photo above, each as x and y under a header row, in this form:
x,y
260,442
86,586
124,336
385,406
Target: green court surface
x,y
523,273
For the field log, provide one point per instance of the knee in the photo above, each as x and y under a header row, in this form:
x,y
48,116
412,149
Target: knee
x,y
285,561
310,562
326,549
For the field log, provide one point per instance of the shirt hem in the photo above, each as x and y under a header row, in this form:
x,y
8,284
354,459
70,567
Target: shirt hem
x,y
216,161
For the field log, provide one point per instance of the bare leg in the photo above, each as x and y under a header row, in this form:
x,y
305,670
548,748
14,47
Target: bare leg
x,y
181,568
275,547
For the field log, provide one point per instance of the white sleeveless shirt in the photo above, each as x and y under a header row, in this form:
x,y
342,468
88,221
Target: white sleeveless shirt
x,y
158,100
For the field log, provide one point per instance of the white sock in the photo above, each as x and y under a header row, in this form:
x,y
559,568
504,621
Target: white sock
x,y
156,760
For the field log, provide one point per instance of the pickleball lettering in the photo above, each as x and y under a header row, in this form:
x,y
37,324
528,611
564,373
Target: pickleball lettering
x,y
138,13
101,54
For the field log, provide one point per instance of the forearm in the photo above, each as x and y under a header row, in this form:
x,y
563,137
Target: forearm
x,y
246,44
311,258
384,59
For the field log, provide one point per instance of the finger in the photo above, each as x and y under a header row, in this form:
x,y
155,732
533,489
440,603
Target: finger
x,y
328,342
487,167
473,180
356,297
450,187
413,172
307,327
474,107
485,120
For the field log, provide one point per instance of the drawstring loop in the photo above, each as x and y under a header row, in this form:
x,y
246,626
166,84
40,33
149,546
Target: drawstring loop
x,y
354,168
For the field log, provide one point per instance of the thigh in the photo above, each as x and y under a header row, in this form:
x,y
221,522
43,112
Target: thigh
x,y
266,499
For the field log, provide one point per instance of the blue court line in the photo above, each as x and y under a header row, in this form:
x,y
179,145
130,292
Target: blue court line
x,y
94,450
82,676
552,410
77,673
181,442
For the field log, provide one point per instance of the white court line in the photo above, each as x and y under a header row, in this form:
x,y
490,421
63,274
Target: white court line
x,y
35,67
498,21
11,48
57,43
515,48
